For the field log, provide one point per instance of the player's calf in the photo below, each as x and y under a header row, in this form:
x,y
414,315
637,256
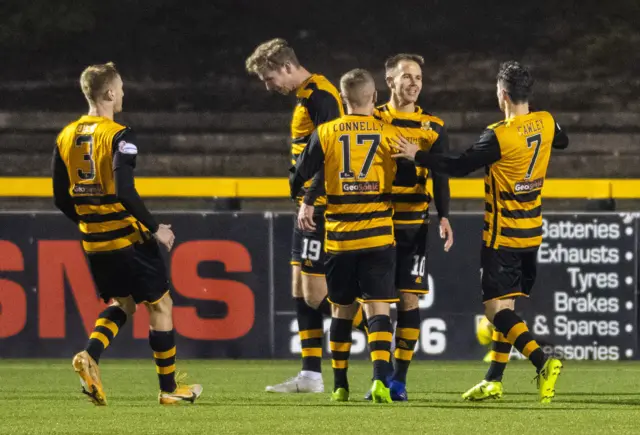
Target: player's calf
x,y
341,349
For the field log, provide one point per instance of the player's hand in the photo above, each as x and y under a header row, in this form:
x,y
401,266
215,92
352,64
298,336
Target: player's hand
x,y
165,236
446,233
404,148
305,218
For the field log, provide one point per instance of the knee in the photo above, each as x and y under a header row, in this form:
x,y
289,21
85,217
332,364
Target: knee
x,y
490,310
296,283
162,307
314,289
344,311
408,301
127,305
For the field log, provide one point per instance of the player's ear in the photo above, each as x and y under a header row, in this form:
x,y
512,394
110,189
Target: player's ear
x,y
109,94
288,67
375,97
389,81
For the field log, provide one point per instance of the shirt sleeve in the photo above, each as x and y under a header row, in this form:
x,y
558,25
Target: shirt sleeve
x,y
316,189
124,162
309,163
441,190
61,197
560,138
323,107
483,153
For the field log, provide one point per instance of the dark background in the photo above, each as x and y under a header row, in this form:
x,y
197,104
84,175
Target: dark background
x,y
189,55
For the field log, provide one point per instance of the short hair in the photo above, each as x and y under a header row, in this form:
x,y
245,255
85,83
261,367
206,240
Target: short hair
x,y
94,78
516,80
393,61
270,56
352,85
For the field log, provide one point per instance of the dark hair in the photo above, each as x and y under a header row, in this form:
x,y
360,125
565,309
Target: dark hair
x,y
516,80
393,61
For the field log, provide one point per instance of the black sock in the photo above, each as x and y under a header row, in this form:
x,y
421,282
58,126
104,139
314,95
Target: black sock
x,y
517,333
106,329
407,333
310,331
380,333
164,352
360,320
500,351
325,307
340,336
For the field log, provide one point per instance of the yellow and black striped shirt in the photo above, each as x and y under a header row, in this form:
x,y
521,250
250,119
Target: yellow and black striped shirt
x,y
317,102
515,154
85,185
410,195
355,151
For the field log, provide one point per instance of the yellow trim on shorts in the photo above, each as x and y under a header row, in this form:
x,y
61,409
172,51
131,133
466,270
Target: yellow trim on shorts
x,y
507,296
366,301
420,292
157,300
295,263
337,304
321,275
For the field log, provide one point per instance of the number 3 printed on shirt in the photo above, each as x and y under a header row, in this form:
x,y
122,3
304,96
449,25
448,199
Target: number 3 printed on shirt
x,y
81,141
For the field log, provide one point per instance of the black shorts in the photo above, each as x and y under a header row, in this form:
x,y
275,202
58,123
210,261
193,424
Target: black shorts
x,y
363,276
307,248
507,273
412,255
138,271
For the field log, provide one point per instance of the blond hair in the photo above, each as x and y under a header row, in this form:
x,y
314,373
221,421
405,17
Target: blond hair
x,y
353,86
270,56
94,78
393,61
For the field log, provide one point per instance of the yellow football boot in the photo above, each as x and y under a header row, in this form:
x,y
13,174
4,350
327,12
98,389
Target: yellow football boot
x,y
484,390
340,395
380,393
89,373
183,392
547,378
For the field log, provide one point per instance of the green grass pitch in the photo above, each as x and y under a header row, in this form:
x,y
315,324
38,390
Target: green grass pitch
x,y
43,397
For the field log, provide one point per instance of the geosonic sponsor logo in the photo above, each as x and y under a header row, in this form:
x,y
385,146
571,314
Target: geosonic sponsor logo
x,y
360,186
528,186
88,189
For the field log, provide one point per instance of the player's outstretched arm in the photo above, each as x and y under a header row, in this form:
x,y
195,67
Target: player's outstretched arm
x,y
61,197
483,153
560,138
